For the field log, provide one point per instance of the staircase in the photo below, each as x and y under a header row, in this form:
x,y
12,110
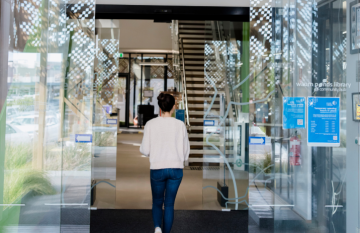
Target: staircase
x,y
193,35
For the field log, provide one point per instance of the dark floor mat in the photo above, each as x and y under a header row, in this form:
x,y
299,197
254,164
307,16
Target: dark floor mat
x,y
186,221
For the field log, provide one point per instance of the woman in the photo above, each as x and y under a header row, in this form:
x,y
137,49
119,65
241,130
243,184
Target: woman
x,y
166,142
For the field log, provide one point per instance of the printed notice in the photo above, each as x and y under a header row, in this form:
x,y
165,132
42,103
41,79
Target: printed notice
x,y
357,112
293,112
323,121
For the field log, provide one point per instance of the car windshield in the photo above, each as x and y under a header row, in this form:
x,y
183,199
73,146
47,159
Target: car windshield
x,y
23,121
9,130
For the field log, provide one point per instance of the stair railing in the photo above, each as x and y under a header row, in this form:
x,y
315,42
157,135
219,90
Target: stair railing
x,y
185,99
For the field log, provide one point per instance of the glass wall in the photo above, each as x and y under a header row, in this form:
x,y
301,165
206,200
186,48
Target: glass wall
x,y
47,55
303,98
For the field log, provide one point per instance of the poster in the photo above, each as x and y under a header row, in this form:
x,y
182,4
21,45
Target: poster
x,y
293,112
323,121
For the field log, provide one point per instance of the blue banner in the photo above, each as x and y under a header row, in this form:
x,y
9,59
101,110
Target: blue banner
x,y
180,114
294,112
324,121
257,140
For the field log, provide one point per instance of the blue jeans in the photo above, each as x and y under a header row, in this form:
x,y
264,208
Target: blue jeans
x,y
164,186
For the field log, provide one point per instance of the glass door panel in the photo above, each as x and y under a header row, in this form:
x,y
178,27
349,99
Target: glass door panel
x,y
135,88
153,67
46,102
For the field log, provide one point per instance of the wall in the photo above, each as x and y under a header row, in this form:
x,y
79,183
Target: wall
x,y
352,150
139,34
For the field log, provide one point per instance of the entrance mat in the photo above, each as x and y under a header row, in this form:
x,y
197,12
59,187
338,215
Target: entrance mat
x,y
185,221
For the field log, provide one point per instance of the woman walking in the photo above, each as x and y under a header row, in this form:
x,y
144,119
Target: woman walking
x,y
166,143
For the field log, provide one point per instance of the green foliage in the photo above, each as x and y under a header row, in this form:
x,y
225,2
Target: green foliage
x,y
105,139
259,166
22,103
20,177
75,157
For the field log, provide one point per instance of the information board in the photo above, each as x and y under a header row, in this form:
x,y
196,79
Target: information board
x,y
293,112
323,121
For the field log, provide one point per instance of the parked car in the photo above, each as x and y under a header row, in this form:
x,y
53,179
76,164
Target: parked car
x,y
30,124
15,136
11,113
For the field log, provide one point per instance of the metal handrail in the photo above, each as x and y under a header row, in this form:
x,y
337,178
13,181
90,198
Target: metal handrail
x,y
184,84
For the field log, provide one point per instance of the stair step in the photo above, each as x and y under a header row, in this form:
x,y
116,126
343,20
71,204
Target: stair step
x,y
191,85
202,57
195,36
196,120
203,106
196,46
194,26
194,72
200,113
209,99
195,79
195,31
194,67
192,112
194,41
196,135
195,92
191,22
192,51
187,62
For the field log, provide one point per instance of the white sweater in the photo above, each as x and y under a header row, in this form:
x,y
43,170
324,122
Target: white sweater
x,y
166,142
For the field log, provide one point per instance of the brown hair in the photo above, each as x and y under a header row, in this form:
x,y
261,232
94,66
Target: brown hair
x,y
166,102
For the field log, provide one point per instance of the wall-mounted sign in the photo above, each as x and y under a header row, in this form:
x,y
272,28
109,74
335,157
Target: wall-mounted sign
x,y
111,121
210,122
180,114
323,121
83,138
293,112
356,106
257,140
148,93
121,55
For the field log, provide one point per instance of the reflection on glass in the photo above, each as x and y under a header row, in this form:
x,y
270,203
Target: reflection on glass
x,y
48,102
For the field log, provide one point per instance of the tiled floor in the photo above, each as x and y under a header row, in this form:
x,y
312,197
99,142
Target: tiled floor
x,y
133,181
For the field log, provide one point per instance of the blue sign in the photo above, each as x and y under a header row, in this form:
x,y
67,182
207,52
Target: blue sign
x,y
294,112
209,122
257,140
180,114
324,121
83,138
111,121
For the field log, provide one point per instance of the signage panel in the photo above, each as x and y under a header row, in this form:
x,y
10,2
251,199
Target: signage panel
x,y
257,140
293,112
83,138
210,122
180,114
323,121
111,121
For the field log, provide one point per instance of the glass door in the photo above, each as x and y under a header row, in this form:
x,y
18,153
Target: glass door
x,y
45,120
